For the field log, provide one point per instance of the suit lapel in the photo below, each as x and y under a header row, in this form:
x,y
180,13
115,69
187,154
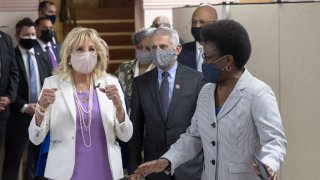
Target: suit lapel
x,y
67,92
1,54
104,103
56,52
154,89
193,55
235,95
21,63
37,55
176,90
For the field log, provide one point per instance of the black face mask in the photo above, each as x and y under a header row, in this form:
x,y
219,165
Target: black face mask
x,y
195,31
27,43
46,35
52,18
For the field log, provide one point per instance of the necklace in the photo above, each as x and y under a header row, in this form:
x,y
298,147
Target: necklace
x,y
81,111
84,97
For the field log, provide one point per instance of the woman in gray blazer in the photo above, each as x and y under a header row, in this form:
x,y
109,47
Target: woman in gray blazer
x,y
237,115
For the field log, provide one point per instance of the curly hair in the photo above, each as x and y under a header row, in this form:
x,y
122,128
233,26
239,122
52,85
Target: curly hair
x,y
231,38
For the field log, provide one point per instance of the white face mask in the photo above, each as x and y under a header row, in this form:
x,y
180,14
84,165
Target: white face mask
x,y
84,62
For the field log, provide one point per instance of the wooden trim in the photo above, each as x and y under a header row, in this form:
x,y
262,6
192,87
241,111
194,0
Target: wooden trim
x,y
105,21
115,33
121,47
118,61
138,14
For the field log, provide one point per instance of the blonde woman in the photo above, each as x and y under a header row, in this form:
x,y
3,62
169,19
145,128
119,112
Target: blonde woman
x,y
83,107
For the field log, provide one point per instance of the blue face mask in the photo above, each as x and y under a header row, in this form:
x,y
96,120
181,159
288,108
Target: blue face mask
x,y
211,72
52,18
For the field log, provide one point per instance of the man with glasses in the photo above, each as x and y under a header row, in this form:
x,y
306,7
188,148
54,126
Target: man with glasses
x,y
191,54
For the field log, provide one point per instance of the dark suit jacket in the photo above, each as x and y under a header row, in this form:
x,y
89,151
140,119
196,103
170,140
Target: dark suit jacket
x,y
188,55
56,50
9,78
44,67
161,133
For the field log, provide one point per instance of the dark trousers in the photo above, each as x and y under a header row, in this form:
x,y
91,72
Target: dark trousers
x,y
33,157
15,142
3,127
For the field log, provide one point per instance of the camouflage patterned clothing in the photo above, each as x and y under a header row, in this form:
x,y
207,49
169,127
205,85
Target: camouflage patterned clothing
x,y
126,72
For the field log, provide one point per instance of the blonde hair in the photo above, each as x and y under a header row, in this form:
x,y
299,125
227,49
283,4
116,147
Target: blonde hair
x,y
76,36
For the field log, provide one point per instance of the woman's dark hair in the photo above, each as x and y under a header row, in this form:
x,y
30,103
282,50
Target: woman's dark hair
x,y
230,37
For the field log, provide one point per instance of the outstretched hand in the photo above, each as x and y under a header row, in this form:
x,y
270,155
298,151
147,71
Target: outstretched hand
x,y
154,166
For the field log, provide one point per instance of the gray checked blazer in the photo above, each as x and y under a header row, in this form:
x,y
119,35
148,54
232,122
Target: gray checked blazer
x,y
248,123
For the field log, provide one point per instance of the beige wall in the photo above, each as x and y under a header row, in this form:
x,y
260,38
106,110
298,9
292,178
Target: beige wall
x,y
285,42
14,10
154,8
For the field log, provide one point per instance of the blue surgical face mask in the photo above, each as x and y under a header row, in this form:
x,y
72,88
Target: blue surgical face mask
x,y
211,72
163,58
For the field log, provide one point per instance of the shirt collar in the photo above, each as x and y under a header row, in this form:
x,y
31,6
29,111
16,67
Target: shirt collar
x,y
43,44
23,50
198,45
171,71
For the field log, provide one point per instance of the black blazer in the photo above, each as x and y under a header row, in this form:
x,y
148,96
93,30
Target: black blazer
x,y
44,67
9,78
188,55
161,133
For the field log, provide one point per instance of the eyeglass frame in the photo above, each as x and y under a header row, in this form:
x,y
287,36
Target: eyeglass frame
x,y
207,58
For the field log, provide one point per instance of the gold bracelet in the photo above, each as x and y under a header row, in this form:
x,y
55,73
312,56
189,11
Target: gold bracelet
x,y
41,107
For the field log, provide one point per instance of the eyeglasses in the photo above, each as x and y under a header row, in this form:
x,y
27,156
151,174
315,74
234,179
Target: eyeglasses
x,y
200,22
208,59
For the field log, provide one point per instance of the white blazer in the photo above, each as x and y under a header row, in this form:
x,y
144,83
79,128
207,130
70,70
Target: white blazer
x,y
248,123
61,121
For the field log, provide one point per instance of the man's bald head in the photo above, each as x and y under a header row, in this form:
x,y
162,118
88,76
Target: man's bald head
x,y
161,21
204,14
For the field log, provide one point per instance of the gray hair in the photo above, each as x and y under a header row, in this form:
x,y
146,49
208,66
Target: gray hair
x,y
164,31
141,34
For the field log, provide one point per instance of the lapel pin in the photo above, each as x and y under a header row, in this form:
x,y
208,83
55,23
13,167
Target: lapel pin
x,y
177,86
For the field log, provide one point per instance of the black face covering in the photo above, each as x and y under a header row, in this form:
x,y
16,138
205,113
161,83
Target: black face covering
x,y
195,31
52,18
46,35
27,43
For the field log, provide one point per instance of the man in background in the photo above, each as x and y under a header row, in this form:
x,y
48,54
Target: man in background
x,y
191,54
48,9
161,21
45,33
9,79
33,69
